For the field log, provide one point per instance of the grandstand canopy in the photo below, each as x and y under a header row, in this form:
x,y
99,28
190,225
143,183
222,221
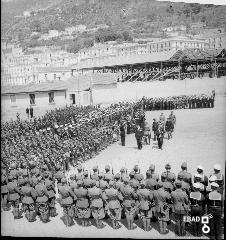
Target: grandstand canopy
x,y
188,54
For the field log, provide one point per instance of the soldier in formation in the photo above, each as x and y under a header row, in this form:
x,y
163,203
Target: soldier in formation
x,y
104,195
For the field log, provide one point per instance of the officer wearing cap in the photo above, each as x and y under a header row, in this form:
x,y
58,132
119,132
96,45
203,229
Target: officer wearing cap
x,y
220,177
129,202
96,204
204,179
197,206
82,206
28,200
95,175
180,204
214,201
14,196
42,200
73,183
145,203
67,197
169,128
154,175
13,171
150,182
113,197
171,177
187,177
162,199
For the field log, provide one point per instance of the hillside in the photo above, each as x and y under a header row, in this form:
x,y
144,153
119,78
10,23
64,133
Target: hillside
x,y
133,18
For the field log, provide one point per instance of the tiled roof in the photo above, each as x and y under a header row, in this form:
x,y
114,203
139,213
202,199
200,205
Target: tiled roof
x,y
54,69
74,83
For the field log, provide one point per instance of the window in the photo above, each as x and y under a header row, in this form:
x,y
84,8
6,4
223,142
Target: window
x,y
51,97
32,98
13,98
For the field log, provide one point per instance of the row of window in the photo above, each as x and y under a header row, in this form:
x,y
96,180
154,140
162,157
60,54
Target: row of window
x,y
32,98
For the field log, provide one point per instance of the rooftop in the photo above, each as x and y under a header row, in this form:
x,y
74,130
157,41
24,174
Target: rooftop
x,y
74,83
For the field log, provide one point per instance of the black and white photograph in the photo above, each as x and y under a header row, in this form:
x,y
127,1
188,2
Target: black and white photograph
x,y
113,118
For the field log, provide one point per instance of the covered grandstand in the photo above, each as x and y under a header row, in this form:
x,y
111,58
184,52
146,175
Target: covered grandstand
x,y
177,64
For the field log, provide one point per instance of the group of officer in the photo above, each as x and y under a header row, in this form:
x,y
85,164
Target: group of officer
x,y
103,194
179,102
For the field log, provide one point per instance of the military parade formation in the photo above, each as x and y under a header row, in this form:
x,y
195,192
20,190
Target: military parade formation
x,y
37,156
99,195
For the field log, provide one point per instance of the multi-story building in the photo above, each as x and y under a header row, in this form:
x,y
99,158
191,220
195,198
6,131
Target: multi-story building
x,y
214,40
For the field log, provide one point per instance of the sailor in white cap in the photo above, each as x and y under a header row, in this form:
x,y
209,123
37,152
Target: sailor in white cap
x,y
212,179
198,179
214,201
204,179
197,205
219,176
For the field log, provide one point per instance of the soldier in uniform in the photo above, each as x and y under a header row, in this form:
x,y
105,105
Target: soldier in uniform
x,y
118,181
108,176
147,133
215,207
184,185
139,136
138,176
113,206
171,177
129,202
96,204
122,134
145,203
14,196
172,118
219,176
67,197
50,186
154,175
187,177
160,135
198,179
42,200
59,174
4,193
95,175
154,128
102,184
82,204
162,199
204,179
197,205
123,172
79,175
29,196
180,203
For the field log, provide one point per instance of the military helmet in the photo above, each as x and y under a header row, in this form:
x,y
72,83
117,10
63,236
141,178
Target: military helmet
x,y
167,166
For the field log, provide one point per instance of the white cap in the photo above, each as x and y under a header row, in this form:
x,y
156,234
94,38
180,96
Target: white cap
x,y
56,126
217,167
200,167
212,178
61,126
198,175
66,128
70,125
214,184
197,185
48,128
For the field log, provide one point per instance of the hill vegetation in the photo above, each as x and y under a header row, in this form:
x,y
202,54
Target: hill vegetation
x,y
126,19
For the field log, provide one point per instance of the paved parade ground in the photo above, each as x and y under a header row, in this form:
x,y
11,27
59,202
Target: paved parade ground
x,y
199,139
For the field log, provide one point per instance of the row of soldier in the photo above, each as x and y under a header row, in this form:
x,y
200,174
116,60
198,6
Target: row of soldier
x,y
105,194
179,102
